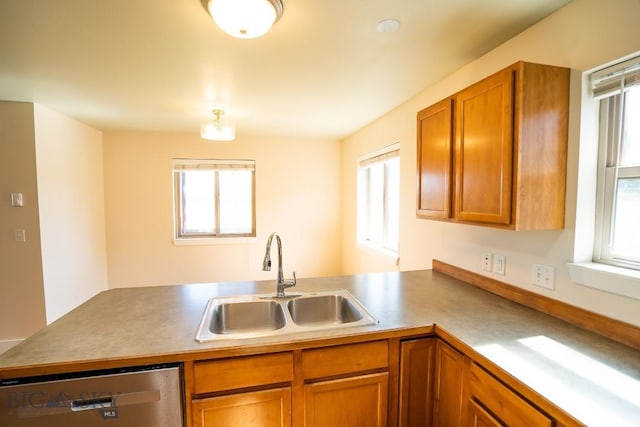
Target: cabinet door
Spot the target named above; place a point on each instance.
(266, 408)
(478, 417)
(434, 160)
(350, 402)
(504, 404)
(484, 150)
(447, 410)
(417, 359)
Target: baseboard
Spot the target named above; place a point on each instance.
(616, 330)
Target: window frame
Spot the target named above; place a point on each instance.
(610, 86)
(363, 225)
(583, 270)
(181, 164)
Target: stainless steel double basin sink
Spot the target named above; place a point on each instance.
(249, 316)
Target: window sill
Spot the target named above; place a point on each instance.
(377, 250)
(214, 241)
(608, 278)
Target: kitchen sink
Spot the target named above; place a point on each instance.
(247, 317)
(250, 316)
(314, 310)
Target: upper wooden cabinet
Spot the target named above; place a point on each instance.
(434, 160)
(484, 150)
(495, 153)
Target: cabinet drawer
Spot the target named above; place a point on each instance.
(345, 359)
(241, 372)
(481, 418)
(510, 408)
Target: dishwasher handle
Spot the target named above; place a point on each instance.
(116, 400)
(94, 403)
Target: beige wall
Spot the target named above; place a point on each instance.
(583, 35)
(297, 192)
(21, 289)
(71, 200)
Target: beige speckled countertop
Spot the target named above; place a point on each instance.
(592, 378)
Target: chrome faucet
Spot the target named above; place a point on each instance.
(281, 284)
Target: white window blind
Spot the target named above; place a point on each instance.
(618, 190)
(615, 79)
(381, 155)
(183, 164)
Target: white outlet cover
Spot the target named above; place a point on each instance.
(20, 235)
(487, 262)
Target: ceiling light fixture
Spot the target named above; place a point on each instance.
(245, 19)
(388, 26)
(217, 128)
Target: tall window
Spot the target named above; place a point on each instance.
(214, 198)
(379, 198)
(618, 199)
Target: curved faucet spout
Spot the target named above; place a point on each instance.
(281, 284)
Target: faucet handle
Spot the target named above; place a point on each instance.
(290, 283)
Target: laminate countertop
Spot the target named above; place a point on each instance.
(592, 378)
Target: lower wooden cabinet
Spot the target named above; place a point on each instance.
(421, 382)
(489, 400)
(217, 376)
(417, 357)
(342, 388)
(478, 417)
(335, 386)
(466, 395)
(347, 402)
(449, 371)
(265, 408)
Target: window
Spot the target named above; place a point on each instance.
(214, 198)
(379, 199)
(618, 194)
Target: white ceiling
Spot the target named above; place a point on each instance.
(322, 71)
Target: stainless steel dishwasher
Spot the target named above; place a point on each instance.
(135, 397)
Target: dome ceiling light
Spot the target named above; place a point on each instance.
(217, 129)
(245, 19)
(388, 26)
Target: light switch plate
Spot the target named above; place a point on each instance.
(543, 276)
(17, 200)
(499, 264)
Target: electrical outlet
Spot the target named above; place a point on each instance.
(486, 261)
(543, 276)
(499, 264)
(20, 235)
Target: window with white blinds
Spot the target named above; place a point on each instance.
(379, 199)
(618, 192)
(616, 79)
(213, 198)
